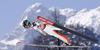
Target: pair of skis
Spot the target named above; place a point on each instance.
(54, 45)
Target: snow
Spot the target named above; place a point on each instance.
(67, 12)
(38, 10)
(11, 42)
(36, 5)
(98, 45)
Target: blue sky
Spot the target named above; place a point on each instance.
(11, 10)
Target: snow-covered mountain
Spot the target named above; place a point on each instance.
(87, 18)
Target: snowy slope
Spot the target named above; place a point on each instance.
(86, 18)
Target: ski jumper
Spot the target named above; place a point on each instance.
(51, 31)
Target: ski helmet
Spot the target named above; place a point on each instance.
(26, 23)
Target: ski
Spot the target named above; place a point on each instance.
(54, 45)
(67, 29)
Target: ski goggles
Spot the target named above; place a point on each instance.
(27, 25)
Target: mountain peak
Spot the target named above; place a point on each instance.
(36, 5)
